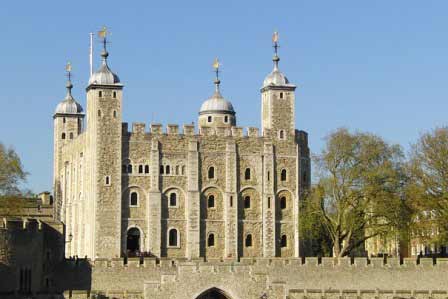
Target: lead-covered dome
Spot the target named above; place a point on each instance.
(217, 104)
(68, 104)
(104, 76)
(276, 77)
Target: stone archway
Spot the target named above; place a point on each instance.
(133, 242)
(213, 293)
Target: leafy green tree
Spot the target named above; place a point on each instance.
(11, 171)
(428, 188)
(358, 194)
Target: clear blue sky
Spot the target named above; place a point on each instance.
(378, 66)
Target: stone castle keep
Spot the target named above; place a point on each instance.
(211, 192)
(207, 212)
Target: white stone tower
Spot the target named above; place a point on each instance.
(277, 95)
(104, 116)
(68, 122)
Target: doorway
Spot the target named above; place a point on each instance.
(133, 242)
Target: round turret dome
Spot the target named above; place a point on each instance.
(276, 77)
(68, 104)
(104, 76)
(217, 104)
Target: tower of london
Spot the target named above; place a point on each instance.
(216, 191)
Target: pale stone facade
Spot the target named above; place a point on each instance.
(213, 192)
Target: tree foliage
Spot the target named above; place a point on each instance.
(358, 191)
(11, 171)
(428, 188)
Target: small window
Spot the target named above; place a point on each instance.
(64, 120)
(114, 94)
(247, 174)
(183, 170)
(247, 202)
(209, 119)
(173, 238)
(177, 169)
(211, 172)
(173, 200)
(63, 136)
(248, 241)
(283, 175)
(140, 169)
(211, 240)
(281, 95)
(146, 169)
(269, 176)
(231, 201)
(161, 169)
(167, 169)
(71, 135)
(100, 93)
(284, 241)
(211, 201)
(226, 119)
(281, 134)
(99, 113)
(130, 168)
(115, 114)
(134, 199)
(283, 203)
(107, 180)
(269, 202)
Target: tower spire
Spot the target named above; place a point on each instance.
(275, 59)
(69, 85)
(217, 81)
(103, 33)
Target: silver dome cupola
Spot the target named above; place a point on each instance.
(68, 106)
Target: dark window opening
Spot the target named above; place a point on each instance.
(269, 202)
(177, 169)
(247, 174)
(161, 169)
(130, 168)
(248, 241)
(115, 114)
(247, 202)
(231, 201)
(173, 199)
(183, 170)
(140, 169)
(284, 241)
(64, 120)
(209, 119)
(172, 238)
(63, 136)
(211, 172)
(134, 199)
(146, 168)
(100, 94)
(211, 240)
(281, 95)
(226, 119)
(283, 175)
(133, 242)
(282, 134)
(283, 203)
(269, 176)
(71, 135)
(115, 94)
(211, 201)
(167, 169)
(107, 180)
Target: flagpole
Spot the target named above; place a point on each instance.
(91, 54)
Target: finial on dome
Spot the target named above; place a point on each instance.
(103, 33)
(216, 65)
(69, 85)
(276, 59)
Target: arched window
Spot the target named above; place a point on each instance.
(269, 202)
(209, 119)
(100, 93)
(231, 201)
(63, 136)
(173, 200)
(281, 95)
(211, 240)
(107, 180)
(247, 202)
(284, 241)
(183, 169)
(115, 94)
(283, 175)
(167, 169)
(115, 114)
(130, 168)
(211, 172)
(134, 199)
(248, 241)
(71, 135)
(281, 134)
(211, 201)
(226, 119)
(247, 174)
(146, 168)
(283, 203)
(173, 238)
(177, 169)
(140, 169)
(161, 169)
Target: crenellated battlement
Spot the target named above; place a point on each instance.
(139, 129)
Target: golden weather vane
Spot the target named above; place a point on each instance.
(216, 63)
(103, 33)
(275, 41)
(68, 69)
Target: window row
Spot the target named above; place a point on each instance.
(247, 174)
(64, 136)
(134, 199)
(168, 170)
(141, 169)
